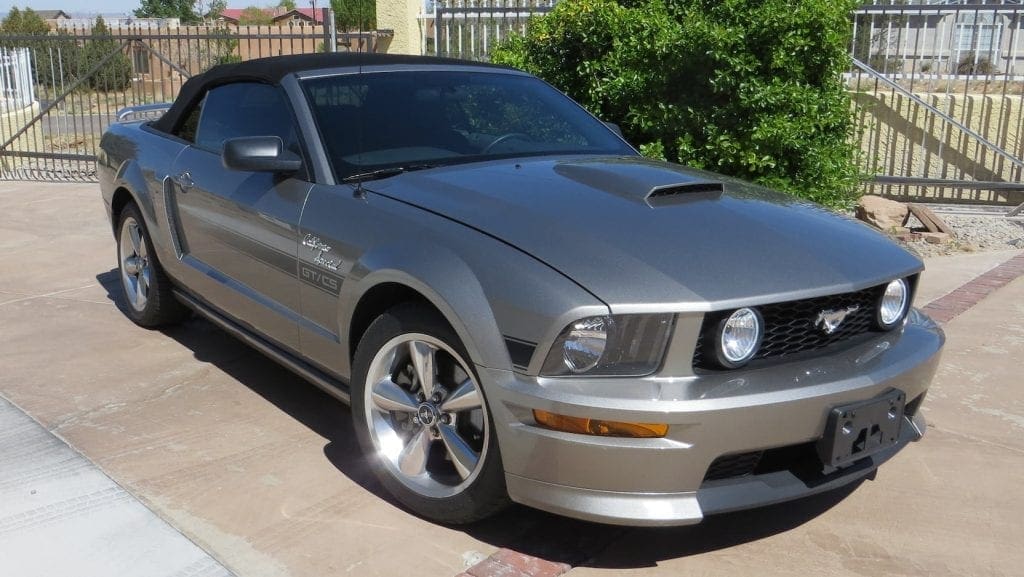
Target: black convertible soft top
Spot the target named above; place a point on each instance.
(271, 70)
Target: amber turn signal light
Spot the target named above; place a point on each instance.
(598, 427)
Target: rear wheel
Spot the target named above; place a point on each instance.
(422, 419)
(146, 289)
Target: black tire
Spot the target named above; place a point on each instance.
(473, 497)
(154, 305)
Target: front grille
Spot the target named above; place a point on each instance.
(801, 460)
(790, 326)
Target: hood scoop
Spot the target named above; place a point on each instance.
(666, 194)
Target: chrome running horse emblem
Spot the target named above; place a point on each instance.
(829, 321)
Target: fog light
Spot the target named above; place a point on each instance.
(893, 304)
(599, 427)
(739, 337)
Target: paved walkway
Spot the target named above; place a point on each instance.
(260, 470)
(61, 516)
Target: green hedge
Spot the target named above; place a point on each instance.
(749, 88)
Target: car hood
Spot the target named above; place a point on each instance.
(699, 241)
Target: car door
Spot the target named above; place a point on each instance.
(239, 229)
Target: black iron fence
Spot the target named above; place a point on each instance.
(938, 87)
(59, 92)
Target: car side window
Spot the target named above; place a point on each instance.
(187, 130)
(245, 109)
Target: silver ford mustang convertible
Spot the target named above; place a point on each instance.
(518, 306)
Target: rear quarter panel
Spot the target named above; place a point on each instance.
(136, 159)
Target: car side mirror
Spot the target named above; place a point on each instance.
(259, 154)
(615, 128)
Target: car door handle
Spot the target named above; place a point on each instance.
(184, 180)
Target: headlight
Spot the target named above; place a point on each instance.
(613, 345)
(584, 345)
(738, 337)
(893, 305)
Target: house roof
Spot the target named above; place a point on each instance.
(52, 14)
(276, 14)
(303, 13)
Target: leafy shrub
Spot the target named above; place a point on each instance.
(886, 64)
(749, 88)
(971, 63)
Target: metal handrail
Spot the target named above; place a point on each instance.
(142, 111)
(917, 99)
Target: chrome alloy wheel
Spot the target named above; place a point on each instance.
(136, 270)
(426, 415)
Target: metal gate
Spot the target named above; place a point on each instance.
(938, 89)
(61, 90)
(470, 29)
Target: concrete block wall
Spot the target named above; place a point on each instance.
(401, 16)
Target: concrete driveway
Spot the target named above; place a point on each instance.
(259, 469)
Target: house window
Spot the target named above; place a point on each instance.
(978, 33)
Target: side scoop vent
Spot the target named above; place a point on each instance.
(686, 192)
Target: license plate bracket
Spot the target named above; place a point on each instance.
(857, 430)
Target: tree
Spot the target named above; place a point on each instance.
(182, 9)
(749, 88)
(27, 22)
(54, 57)
(355, 14)
(116, 73)
(288, 5)
(222, 48)
(254, 16)
(212, 9)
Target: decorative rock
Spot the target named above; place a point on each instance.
(1017, 243)
(881, 212)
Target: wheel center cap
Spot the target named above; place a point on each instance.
(427, 414)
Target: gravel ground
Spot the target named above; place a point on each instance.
(974, 233)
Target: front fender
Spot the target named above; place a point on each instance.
(444, 279)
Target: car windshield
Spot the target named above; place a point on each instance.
(377, 124)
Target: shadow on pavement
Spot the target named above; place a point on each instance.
(519, 528)
(315, 409)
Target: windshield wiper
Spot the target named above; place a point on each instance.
(385, 172)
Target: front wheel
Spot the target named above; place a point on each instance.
(422, 419)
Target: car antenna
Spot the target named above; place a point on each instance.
(359, 192)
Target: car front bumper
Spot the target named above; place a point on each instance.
(777, 412)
